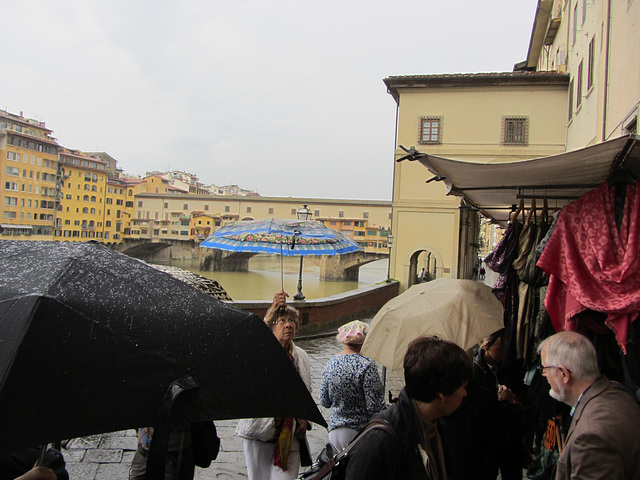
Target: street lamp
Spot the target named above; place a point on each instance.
(304, 214)
(389, 243)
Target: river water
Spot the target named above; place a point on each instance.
(263, 277)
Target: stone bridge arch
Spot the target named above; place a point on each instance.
(346, 267)
(157, 249)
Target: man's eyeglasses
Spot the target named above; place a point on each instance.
(542, 368)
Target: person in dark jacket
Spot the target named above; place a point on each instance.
(436, 373)
(482, 432)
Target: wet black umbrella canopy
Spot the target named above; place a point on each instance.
(91, 340)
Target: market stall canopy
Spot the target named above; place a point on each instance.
(493, 188)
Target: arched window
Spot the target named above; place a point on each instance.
(84, 224)
(91, 223)
(93, 211)
(93, 199)
(130, 192)
(94, 178)
(85, 210)
(86, 186)
(85, 198)
(94, 188)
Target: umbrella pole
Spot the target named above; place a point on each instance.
(43, 451)
(281, 270)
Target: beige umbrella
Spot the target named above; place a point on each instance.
(462, 311)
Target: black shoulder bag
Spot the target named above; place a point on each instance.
(333, 467)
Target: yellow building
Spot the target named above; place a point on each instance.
(371, 239)
(82, 208)
(119, 208)
(202, 225)
(493, 117)
(29, 178)
(154, 184)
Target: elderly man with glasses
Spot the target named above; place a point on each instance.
(604, 437)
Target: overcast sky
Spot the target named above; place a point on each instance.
(280, 96)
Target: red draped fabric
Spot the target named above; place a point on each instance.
(592, 265)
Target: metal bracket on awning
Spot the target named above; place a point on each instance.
(437, 178)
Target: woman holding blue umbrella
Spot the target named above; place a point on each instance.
(272, 445)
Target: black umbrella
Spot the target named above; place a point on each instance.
(92, 340)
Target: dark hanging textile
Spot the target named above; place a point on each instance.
(532, 285)
(506, 287)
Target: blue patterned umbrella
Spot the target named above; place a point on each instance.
(282, 237)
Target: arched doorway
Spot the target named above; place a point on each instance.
(423, 258)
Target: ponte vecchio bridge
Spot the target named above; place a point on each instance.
(332, 267)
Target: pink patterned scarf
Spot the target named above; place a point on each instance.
(594, 266)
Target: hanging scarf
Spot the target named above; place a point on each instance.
(592, 264)
(430, 446)
(506, 287)
(285, 427)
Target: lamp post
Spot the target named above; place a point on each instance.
(389, 243)
(304, 214)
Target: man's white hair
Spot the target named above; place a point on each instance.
(574, 352)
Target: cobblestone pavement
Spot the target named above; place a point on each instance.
(109, 456)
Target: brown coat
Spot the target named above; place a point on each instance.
(604, 436)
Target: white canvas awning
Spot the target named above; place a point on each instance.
(493, 188)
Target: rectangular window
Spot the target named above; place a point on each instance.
(185, 206)
(11, 201)
(579, 87)
(226, 208)
(139, 203)
(570, 100)
(293, 211)
(575, 24)
(166, 205)
(590, 64)
(316, 213)
(340, 214)
(206, 207)
(632, 126)
(270, 211)
(13, 171)
(10, 214)
(248, 209)
(430, 130)
(13, 186)
(365, 214)
(515, 131)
